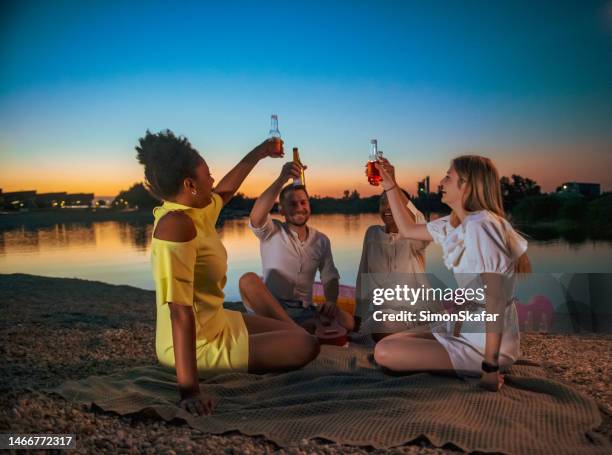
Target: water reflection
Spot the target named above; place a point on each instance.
(118, 252)
(136, 234)
(571, 234)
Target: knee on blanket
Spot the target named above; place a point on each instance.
(312, 348)
(384, 355)
(248, 281)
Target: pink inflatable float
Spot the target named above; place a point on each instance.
(537, 315)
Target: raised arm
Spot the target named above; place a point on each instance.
(404, 218)
(265, 202)
(229, 184)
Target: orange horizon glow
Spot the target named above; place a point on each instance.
(109, 178)
(254, 187)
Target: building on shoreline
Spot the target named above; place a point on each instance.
(589, 190)
(77, 200)
(30, 200)
(17, 200)
(50, 200)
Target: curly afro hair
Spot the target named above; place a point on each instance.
(167, 160)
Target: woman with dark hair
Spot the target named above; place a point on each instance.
(387, 257)
(193, 331)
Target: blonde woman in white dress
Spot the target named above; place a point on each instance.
(483, 251)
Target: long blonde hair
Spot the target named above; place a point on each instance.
(483, 192)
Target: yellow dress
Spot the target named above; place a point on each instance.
(193, 274)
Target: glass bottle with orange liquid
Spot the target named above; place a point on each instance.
(275, 133)
(373, 174)
(296, 159)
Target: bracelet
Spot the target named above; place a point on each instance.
(393, 187)
(489, 367)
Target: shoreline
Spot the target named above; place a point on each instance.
(567, 230)
(65, 328)
(44, 218)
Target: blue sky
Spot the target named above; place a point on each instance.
(527, 83)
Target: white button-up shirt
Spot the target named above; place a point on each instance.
(289, 265)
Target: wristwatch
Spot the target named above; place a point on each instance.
(489, 367)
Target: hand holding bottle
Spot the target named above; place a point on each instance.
(329, 309)
(387, 172)
(290, 170)
(272, 147)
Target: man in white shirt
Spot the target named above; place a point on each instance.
(291, 255)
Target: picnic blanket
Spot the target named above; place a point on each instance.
(344, 397)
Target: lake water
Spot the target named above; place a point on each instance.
(118, 253)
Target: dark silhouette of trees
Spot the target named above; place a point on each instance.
(241, 202)
(517, 188)
(514, 190)
(600, 216)
(541, 207)
(350, 203)
(136, 197)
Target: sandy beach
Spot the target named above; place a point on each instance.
(56, 329)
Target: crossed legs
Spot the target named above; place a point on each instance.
(256, 296)
(276, 342)
(278, 345)
(402, 352)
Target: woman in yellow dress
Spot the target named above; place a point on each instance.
(193, 330)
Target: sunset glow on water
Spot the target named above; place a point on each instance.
(118, 253)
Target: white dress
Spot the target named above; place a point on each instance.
(483, 243)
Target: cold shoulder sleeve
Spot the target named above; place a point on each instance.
(173, 271)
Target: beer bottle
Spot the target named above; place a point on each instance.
(274, 132)
(301, 181)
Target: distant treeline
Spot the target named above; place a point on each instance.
(351, 202)
(514, 189)
(571, 216)
(551, 214)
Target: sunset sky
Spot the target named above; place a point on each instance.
(527, 83)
